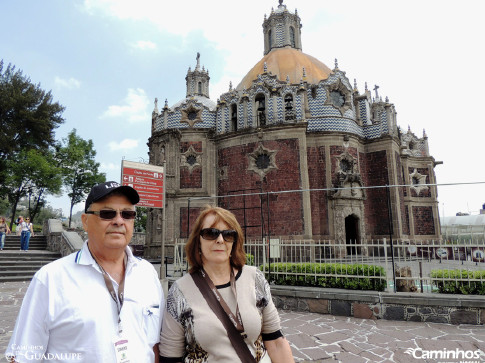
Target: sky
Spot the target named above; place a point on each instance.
(107, 60)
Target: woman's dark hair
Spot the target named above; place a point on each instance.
(192, 248)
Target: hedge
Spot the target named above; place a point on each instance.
(447, 283)
(300, 274)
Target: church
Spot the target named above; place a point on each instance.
(295, 150)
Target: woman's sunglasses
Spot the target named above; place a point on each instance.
(110, 213)
(229, 235)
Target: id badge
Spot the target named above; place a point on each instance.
(121, 349)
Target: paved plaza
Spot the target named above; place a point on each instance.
(327, 338)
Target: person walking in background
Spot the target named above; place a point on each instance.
(223, 308)
(99, 304)
(26, 231)
(4, 229)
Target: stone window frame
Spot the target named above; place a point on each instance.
(184, 157)
(415, 176)
(253, 157)
(339, 87)
(189, 110)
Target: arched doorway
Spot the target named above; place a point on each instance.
(352, 235)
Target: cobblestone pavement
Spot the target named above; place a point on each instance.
(327, 338)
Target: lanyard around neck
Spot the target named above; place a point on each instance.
(117, 298)
(238, 323)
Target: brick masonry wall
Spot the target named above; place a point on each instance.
(317, 170)
(190, 179)
(423, 220)
(194, 213)
(285, 209)
(374, 171)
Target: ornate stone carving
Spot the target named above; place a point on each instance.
(191, 115)
(417, 181)
(339, 97)
(191, 158)
(262, 160)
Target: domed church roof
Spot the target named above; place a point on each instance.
(288, 61)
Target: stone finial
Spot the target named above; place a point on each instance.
(304, 73)
(166, 103)
(355, 84)
(287, 79)
(409, 129)
(230, 85)
(155, 109)
(281, 2)
(296, 11)
(424, 134)
(387, 99)
(336, 64)
(198, 61)
(265, 67)
(366, 86)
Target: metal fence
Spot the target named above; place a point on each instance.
(407, 265)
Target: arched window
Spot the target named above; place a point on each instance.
(233, 117)
(289, 109)
(260, 109)
(292, 37)
(270, 40)
(200, 88)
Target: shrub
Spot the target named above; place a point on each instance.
(327, 275)
(249, 259)
(458, 281)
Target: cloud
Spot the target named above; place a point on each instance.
(126, 144)
(71, 83)
(134, 107)
(144, 45)
(109, 166)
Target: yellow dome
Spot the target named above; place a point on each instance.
(290, 62)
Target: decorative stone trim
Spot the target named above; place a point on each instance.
(416, 181)
(191, 115)
(262, 161)
(342, 103)
(191, 158)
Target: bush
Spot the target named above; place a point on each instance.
(249, 259)
(319, 275)
(450, 281)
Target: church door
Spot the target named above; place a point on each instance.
(352, 235)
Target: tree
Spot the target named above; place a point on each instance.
(28, 117)
(141, 219)
(32, 173)
(80, 170)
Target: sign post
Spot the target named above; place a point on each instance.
(149, 181)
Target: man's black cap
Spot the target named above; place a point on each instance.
(100, 191)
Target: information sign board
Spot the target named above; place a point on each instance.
(147, 180)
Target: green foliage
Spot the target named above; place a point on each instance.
(332, 275)
(249, 259)
(79, 169)
(458, 281)
(141, 219)
(32, 174)
(28, 117)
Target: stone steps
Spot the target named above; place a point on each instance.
(16, 265)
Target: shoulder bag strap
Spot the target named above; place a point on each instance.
(236, 339)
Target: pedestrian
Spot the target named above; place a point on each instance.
(99, 304)
(4, 230)
(26, 231)
(222, 309)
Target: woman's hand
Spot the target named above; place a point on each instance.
(279, 350)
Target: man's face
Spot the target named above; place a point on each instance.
(115, 233)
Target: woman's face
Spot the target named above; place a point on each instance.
(216, 251)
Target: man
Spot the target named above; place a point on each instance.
(100, 304)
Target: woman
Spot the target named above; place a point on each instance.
(26, 229)
(3, 231)
(191, 331)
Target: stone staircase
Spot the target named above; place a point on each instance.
(17, 265)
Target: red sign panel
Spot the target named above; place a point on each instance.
(147, 180)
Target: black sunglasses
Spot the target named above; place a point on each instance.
(110, 213)
(229, 235)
